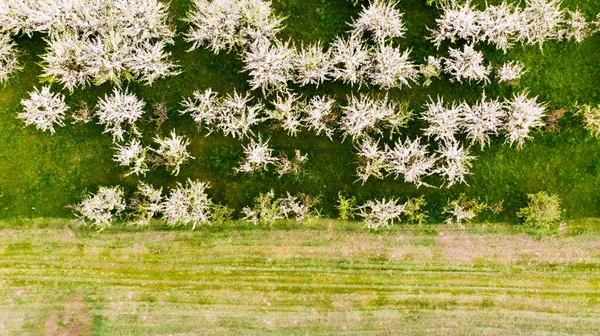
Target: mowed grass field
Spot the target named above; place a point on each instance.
(328, 277)
(40, 174)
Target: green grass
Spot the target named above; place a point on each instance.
(328, 278)
(40, 173)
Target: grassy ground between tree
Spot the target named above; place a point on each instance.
(329, 277)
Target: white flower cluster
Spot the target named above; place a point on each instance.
(132, 154)
(233, 115)
(287, 111)
(258, 156)
(184, 205)
(451, 160)
(505, 24)
(366, 115)
(413, 161)
(268, 209)
(118, 111)
(102, 207)
(172, 151)
(96, 41)
(591, 118)
(454, 162)
(466, 64)
(523, 114)
(9, 63)
(510, 72)
(272, 64)
(409, 159)
(313, 64)
(226, 24)
(515, 118)
(380, 213)
(147, 204)
(44, 109)
(187, 205)
(320, 117)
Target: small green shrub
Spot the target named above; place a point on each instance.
(221, 214)
(543, 210)
(414, 210)
(346, 207)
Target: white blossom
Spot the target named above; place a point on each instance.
(102, 207)
(226, 24)
(523, 115)
(236, 115)
(381, 19)
(411, 160)
(541, 20)
(119, 110)
(66, 60)
(266, 210)
(257, 157)
(380, 213)
(132, 154)
(215, 22)
(100, 41)
(44, 109)
(500, 25)
(510, 71)
(270, 65)
(351, 60)
(504, 24)
(591, 118)
(444, 123)
(172, 152)
(287, 111)
(147, 204)
(299, 207)
(313, 65)
(13, 15)
(151, 62)
(203, 107)
(258, 19)
(482, 119)
(466, 64)
(285, 166)
(233, 115)
(187, 205)
(106, 60)
(454, 162)
(319, 115)
(9, 63)
(463, 210)
(576, 27)
(459, 214)
(372, 160)
(432, 68)
(457, 21)
(364, 115)
(392, 68)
